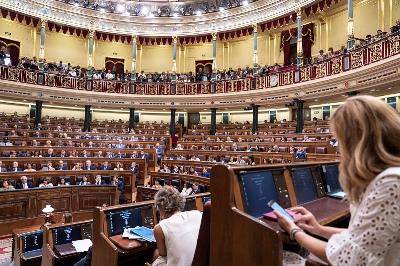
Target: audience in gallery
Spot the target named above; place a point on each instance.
(66, 69)
(176, 233)
(368, 131)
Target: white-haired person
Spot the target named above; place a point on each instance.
(177, 232)
(368, 133)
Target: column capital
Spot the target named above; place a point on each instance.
(298, 12)
(91, 33)
(214, 36)
(255, 28)
(174, 39)
(134, 38)
(43, 22)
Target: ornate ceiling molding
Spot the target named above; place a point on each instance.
(235, 18)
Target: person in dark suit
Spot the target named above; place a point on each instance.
(50, 153)
(24, 183)
(120, 187)
(89, 165)
(2, 169)
(15, 167)
(134, 168)
(105, 166)
(61, 166)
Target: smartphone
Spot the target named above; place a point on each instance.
(276, 207)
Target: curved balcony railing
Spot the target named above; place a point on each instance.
(383, 48)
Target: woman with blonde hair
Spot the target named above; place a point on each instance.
(368, 133)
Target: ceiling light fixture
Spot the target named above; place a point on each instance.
(120, 8)
(199, 13)
(221, 8)
(145, 10)
(76, 4)
(245, 2)
(151, 15)
(175, 15)
(102, 10)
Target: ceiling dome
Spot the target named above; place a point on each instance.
(159, 8)
(157, 18)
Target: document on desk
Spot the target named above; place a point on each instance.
(127, 234)
(144, 232)
(82, 245)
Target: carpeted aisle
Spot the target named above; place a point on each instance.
(5, 251)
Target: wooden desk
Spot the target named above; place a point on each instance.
(109, 248)
(38, 162)
(60, 254)
(17, 246)
(21, 208)
(232, 228)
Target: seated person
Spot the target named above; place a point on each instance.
(134, 168)
(89, 165)
(97, 180)
(177, 232)
(367, 130)
(205, 172)
(105, 166)
(24, 183)
(46, 183)
(195, 188)
(118, 183)
(6, 186)
(84, 181)
(63, 182)
(48, 167)
(29, 168)
(187, 189)
(2, 169)
(15, 167)
(157, 184)
(61, 166)
(301, 154)
(119, 167)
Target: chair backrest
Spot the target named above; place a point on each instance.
(202, 252)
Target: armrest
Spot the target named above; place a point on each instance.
(108, 241)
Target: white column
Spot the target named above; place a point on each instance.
(43, 23)
(174, 45)
(299, 38)
(134, 53)
(91, 48)
(255, 45)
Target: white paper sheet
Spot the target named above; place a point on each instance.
(82, 245)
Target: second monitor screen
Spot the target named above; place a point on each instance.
(258, 188)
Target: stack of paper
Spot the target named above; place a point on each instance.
(144, 232)
(141, 233)
(82, 245)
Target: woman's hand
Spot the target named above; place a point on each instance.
(285, 223)
(307, 221)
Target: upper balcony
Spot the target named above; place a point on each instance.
(368, 68)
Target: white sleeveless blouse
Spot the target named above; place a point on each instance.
(181, 231)
(373, 236)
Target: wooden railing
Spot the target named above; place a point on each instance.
(359, 57)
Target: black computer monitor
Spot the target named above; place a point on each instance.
(32, 241)
(258, 188)
(67, 234)
(304, 184)
(331, 174)
(118, 220)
